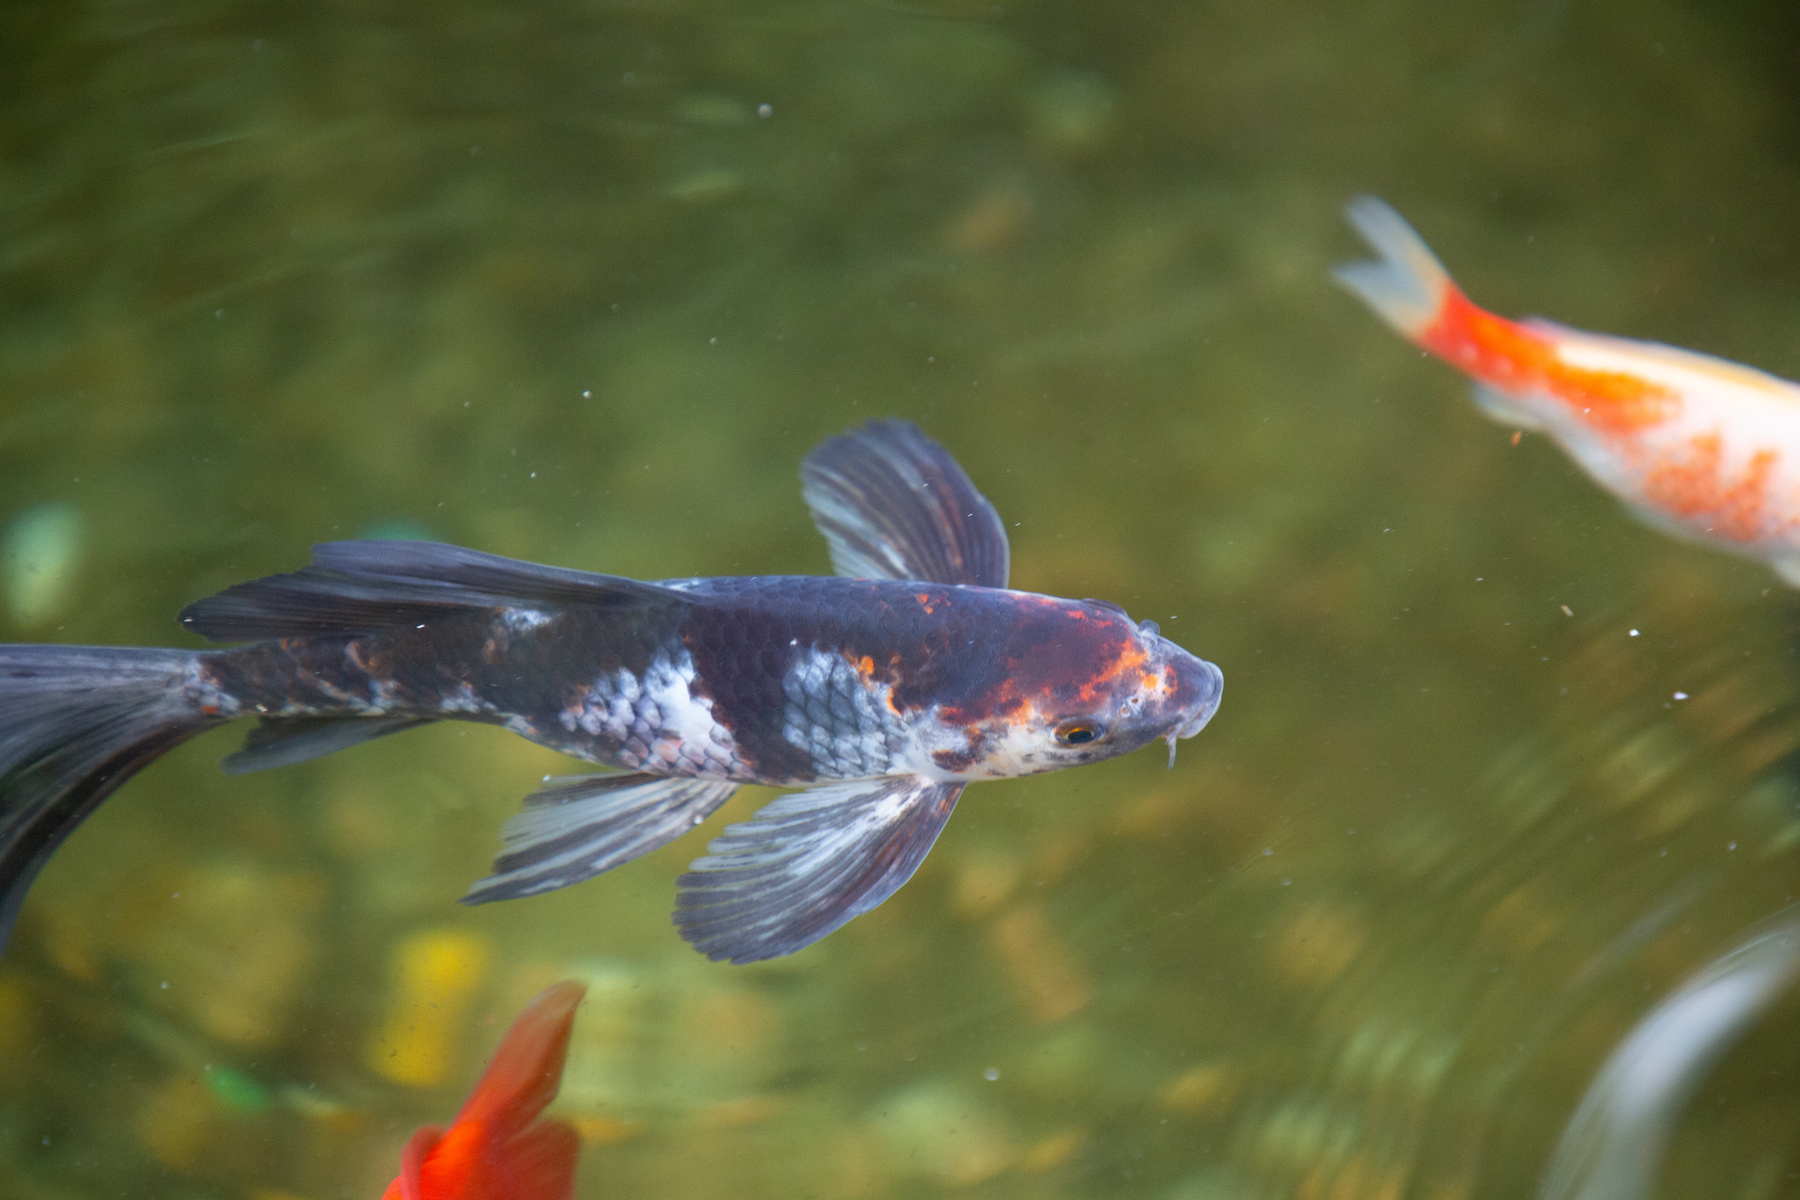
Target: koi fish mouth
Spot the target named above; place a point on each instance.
(1206, 683)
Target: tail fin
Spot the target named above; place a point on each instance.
(1407, 284)
(75, 722)
(493, 1148)
(526, 1070)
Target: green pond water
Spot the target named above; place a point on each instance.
(582, 283)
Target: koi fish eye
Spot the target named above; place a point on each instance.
(1079, 732)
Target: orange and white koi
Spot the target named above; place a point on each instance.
(1698, 447)
(496, 1149)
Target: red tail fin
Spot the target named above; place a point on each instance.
(539, 1164)
(527, 1069)
(492, 1151)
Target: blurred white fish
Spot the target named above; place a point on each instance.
(1614, 1143)
(1697, 447)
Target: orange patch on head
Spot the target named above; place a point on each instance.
(1130, 655)
(1696, 489)
(1514, 359)
(1157, 681)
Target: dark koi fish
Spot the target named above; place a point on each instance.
(880, 692)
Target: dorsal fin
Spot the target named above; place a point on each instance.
(355, 587)
(893, 504)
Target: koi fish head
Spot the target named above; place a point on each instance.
(1071, 682)
(1151, 690)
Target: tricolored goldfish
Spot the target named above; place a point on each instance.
(1695, 446)
(493, 1150)
(881, 692)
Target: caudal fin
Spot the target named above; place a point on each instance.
(493, 1148)
(75, 722)
(1407, 284)
(526, 1070)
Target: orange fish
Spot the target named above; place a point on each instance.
(1695, 446)
(493, 1151)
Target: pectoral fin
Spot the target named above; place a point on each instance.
(1788, 569)
(809, 862)
(893, 504)
(581, 825)
(1505, 408)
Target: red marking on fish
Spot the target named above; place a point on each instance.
(1699, 487)
(1513, 358)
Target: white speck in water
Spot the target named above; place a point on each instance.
(765, 111)
(534, 474)
(1731, 846)
(1567, 611)
(587, 393)
(1681, 695)
(1286, 882)
(1268, 850)
(1634, 633)
(165, 985)
(991, 1074)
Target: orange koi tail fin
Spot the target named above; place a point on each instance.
(492, 1150)
(527, 1068)
(412, 1159)
(1407, 285)
(539, 1164)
